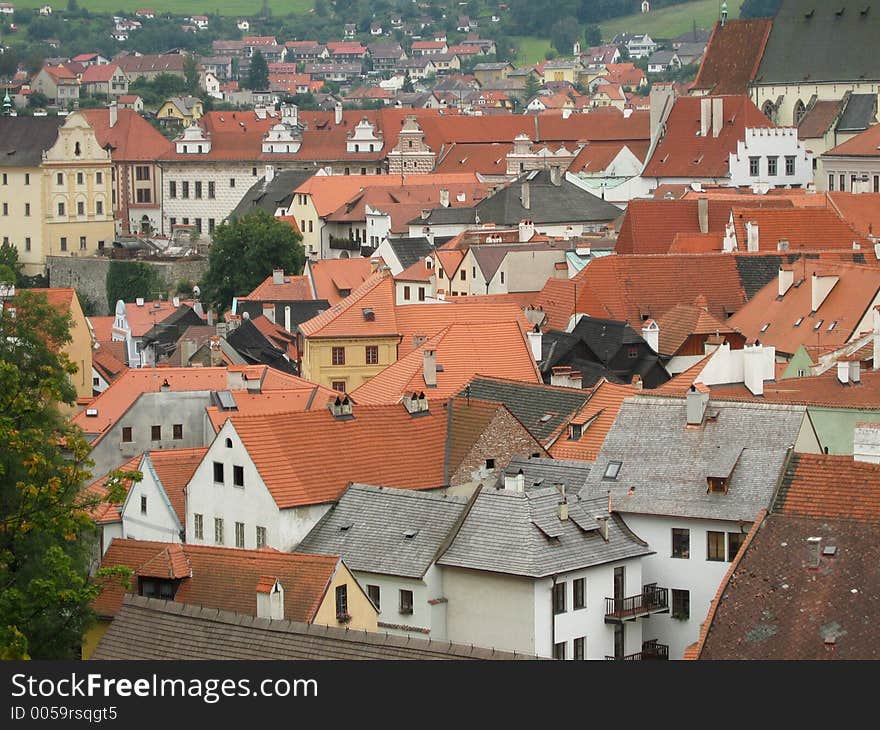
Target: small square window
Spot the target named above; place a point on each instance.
(155, 433)
(238, 476)
(177, 431)
(612, 470)
(126, 434)
(218, 472)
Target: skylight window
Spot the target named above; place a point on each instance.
(798, 321)
(612, 470)
(832, 325)
(818, 324)
(346, 526)
(410, 534)
(765, 327)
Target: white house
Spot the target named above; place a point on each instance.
(211, 84)
(46, 10)
(243, 24)
(690, 476)
(7, 9)
(771, 156)
(390, 539)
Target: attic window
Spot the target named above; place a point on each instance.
(546, 417)
(832, 325)
(410, 534)
(612, 470)
(765, 327)
(798, 321)
(575, 431)
(369, 315)
(717, 485)
(91, 412)
(346, 526)
(818, 324)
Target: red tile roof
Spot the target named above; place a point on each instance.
(99, 74)
(278, 443)
(683, 320)
(223, 578)
(294, 288)
(836, 487)
(107, 512)
(135, 65)
(865, 144)
(175, 468)
(733, 55)
(818, 390)
(107, 364)
(132, 138)
(335, 279)
(463, 351)
(804, 228)
(683, 153)
(597, 156)
(861, 210)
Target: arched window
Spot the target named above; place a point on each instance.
(228, 443)
(769, 110)
(799, 111)
(77, 150)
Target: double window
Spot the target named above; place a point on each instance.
(261, 537)
(338, 356)
(714, 545)
(239, 534)
(218, 530)
(372, 354)
(681, 543)
(199, 526)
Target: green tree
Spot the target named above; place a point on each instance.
(38, 100)
(321, 8)
(258, 75)
(128, 280)
(10, 268)
(531, 89)
(563, 33)
(592, 36)
(244, 252)
(47, 537)
(191, 72)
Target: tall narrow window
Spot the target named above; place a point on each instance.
(155, 433)
(199, 526)
(218, 472)
(580, 592)
(406, 602)
(375, 595)
(218, 530)
(734, 543)
(372, 354)
(714, 545)
(681, 604)
(338, 356)
(238, 476)
(342, 602)
(559, 598)
(239, 534)
(681, 543)
(261, 537)
(580, 647)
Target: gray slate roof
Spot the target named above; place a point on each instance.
(270, 196)
(824, 46)
(531, 403)
(859, 114)
(666, 464)
(541, 473)
(368, 527)
(24, 139)
(520, 533)
(150, 628)
(411, 250)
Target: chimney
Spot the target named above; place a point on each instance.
(753, 367)
(821, 287)
(175, 301)
(866, 443)
(342, 406)
(415, 403)
(270, 173)
(430, 368)
(814, 550)
(526, 230)
(270, 598)
(786, 279)
(269, 312)
(338, 113)
(855, 370)
(444, 197)
(651, 334)
(211, 316)
(876, 363)
(782, 244)
(556, 175)
(535, 342)
(695, 405)
(139, 301)
(278, 276)
(603, 526)
(637, 382)
(114, 113)
(843, 372)
(752, 239)
(526, 196)
(717, 115)
(705, 116)
(563, 506)
(703, 214)
(515, 483)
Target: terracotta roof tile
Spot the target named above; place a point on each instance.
(733, 55)
(175, 468)
(865, 144)
(683, 320)
(224, 578)
(804, 228)
(861, 210)
(132, 138)
(294, 288)
(335, 279)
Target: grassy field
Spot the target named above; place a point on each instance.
(246, 8)
(672, 21)
(531, 50)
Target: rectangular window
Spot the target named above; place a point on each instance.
(463, 276)
(218, 530)
(842, 179)
(5, 208)
(177, 431)
(714, 545)
(63, 243)
(789, 165)
(375, 595)
(681, 543)
(199, 527)
(80, 178)
(580, 646)
(199, 225)
(198, 190)
(60, 209)
(99, 178)
(580, 592)
(126, 434)
(218, 473)
(155, 433)
(59, 178)
(421, 293)
(173, 221)
(338, 356)
(238, 476)
(184, 191)
(239, 534)
(338, 385)
(559, 650)
(311, 228)
(210, 225)
(143, 504)
(143, 195)
(211, 187)
(27, 243)
(342, 600)
(754, 166)
(877, 183)
(831, 183)
(4, 178)
(99, 206)
(172, 189)
(82, 243)
(261, 537)
(232, 182)
(772, 166)
(372, 353)
(406, 295)
(406, 601)
(559, 598)
(141, 172)
(619, 641)
(27, 178)
(734, 543)
(27, 209)
(681, 604)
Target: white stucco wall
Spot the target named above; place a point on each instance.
(778, 142)
(226, 197)
(160, 522)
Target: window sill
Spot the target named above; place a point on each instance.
(682, 557)
(405, 612)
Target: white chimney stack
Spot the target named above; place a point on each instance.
(786, 279)
(526, 195)
(753, 366)
(843, 372)
(603, 525)
(269, 312)
(270, 173)
(814, 548)
(695, 406)
(515, 483)
(430, 368)
(338, 113)
(287, 320)
(855, 370)
(876, 364)
(705, 116)
(821, 287)
(703, 214)
(536, 342)
(717, 115)
(270, 599)
(278, 276)
(526, 230)
(444, 197)
(651, 334)
(752, 239)
(866, 442)
(114, 114)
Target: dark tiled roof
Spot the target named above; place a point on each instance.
(24, 139)
(411, 250)
(859, 114)
(271, 196)
(255, 347)
(732, 56)
(542, 409)
(538, 473)
(148, 628)
(818, 41)
(301, 310)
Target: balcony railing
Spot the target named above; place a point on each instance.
(344, 244)
(651, 650)
(652, 599)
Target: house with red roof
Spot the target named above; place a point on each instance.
(854, 165)
(58, 83)
(105, 79)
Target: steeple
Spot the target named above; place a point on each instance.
(724, 12)
(7, 104)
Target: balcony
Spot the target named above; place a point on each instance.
(344, 244)
(651, 651)
(651, 600)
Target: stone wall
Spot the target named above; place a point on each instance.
(89, 275)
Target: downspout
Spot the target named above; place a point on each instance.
(553, 615)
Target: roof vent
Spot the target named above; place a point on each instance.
(341, 407)
(139, 301)
(345, 527)
(410, 534)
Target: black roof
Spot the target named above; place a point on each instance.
(167, 332)
(24, 139)
(411, 250)
(272, 195)
(859, 114)
(301, 310)
(254, 347)
(530, 403)
(813, 41)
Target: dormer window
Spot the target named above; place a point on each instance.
(818, 325)
(716, 485)
(612, 470)
(575, 431)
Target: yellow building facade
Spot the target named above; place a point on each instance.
(344, 363)
(363, 614)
